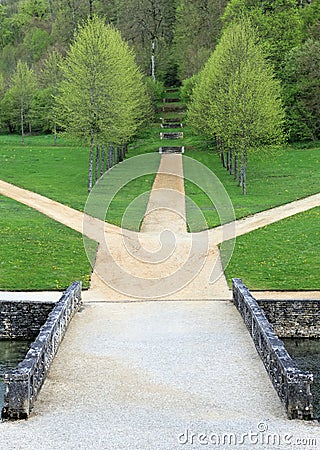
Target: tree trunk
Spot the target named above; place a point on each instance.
(240, 180)
(121, 153)
(110, 156)
(236, 166)
(223, 156)
(96, 175)
(90, 171)
(244, 180)
(103, 157)
(22, 122)
(55, 122)
(54, 130)
(153, 62)
(91, 9)
(230, 160)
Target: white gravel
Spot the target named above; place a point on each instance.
(138, 375)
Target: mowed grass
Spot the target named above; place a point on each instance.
(37, 253)
(275, 178)
(281, 256)
(60, 172)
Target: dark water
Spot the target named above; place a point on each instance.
(306, 354)
(11, 353)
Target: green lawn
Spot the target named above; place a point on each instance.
(274, 179)
(281, 256)
(59, 173)
(37, 253)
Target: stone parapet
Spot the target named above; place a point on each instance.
(24, 383)
(292, 385)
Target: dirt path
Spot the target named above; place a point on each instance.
(163, 261)
(264, 218)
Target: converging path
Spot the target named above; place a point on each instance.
(163, 227)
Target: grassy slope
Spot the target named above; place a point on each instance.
(38, 253)
(274, 179)
(281, 256)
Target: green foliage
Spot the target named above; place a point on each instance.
(155, 91)
(19, 97)
(302, 91)
(236, 97)
(197, 30)
(278, 24)
(50, 78)
(187, 87)
(34, 8)
(311, 20)
(144, 22)
(35, 43)
(102, 95)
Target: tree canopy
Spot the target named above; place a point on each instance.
(236, 98)
(102, 96)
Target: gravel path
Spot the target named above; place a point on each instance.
(136, 376)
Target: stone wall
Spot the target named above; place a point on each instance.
(24, 383)
(22, 319)
(293, 318)
(292, 385)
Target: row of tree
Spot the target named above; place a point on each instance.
(96, 93)
(172, 40)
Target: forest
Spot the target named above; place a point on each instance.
(171, 40)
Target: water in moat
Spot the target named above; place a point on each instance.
(306, 354)
(11, 353)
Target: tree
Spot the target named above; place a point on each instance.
(311, 20)
(148, 25)
(237, 97)
(197, 31)
(302, 91)
(102, 97)
(23, 86)
(51, 77)
(278, 24)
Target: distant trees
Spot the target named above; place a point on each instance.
(197, 31)
(149, 26)
(236, 99)
(51, 77)
(278, 24)
(289, 34)
(102, 96)
(172, 41)
(18, 98)
(302, 91)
